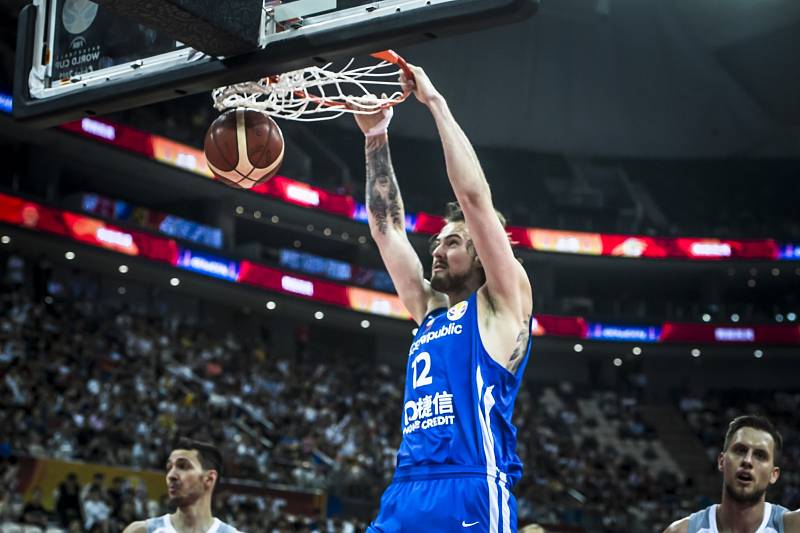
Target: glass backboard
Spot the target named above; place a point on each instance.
(77, 58)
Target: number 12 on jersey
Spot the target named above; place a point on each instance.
(422, 378)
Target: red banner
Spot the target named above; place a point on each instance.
(295, 284)
(117, 135)
(302, 194)
(730, 333)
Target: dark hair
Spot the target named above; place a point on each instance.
(453, 213)
(756, 422)
(209, 456)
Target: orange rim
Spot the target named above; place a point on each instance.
(390, 56)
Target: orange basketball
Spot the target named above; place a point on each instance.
(244, 147)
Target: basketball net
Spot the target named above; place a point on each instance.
(321, 93)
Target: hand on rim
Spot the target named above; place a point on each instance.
(371, 123)
(420, 85)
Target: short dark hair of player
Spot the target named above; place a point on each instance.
(453, 213)
(756, 422)
(209, 456)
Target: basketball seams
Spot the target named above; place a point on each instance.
(253, 138)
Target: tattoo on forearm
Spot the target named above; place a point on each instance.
(519, 349)
(383, 195)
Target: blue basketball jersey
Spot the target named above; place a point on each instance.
(705, 521)
(458, 405)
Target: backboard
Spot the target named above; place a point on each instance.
(77, 57)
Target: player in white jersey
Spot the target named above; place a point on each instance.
(193, 469)
(748, 462)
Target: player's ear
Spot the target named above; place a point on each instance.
(211, 478)
(721, 461)
(774, 475)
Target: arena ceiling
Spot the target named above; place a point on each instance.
(618, 78)
(629, 78)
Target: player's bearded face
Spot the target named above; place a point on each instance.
(454, 259)
(748, 465)
(187, 482)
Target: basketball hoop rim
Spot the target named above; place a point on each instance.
(289, 95)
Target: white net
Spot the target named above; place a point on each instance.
(318, 93)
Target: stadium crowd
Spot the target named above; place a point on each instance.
(99, 381)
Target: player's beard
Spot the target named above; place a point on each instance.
(444, 281)
(185, 499)
(747, 499)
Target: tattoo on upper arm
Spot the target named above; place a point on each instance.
(383, 194)
(520, 348)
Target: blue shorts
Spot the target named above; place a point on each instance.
(454, 504)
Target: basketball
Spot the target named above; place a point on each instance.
(244, 147)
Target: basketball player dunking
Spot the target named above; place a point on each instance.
(748, 463)
(193, 469)
(457, 461)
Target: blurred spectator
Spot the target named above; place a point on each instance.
(96, 511)
(68, 503)
(34, 512)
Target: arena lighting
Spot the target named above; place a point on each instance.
(636, 350)
(297, 243)
(256, 214)
(751, 283)
(734, 317)
(363, 240)
(99, 129)
(365, 324)
(327, 232)
(121, 291)
(239, 210)
(271, 305)
(208, 264)
(174, 282)
(617, 361)
(123, 269)
(302, 194)
(578, 347)
(758, 354)
(115, 238)
(706, 317)
(695, 352)
(6, 102)
(623, 332)
(345, 236)
(753, 271)
(776, 271)
(70, 255)
(310, 227)
(791, 317)
(319, 315)
(779, 318)
(5, 239)
(734, 334)
(275, 219)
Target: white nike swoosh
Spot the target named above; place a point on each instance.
(464, 524)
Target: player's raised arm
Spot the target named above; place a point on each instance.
(386, 216)
(507, 282)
